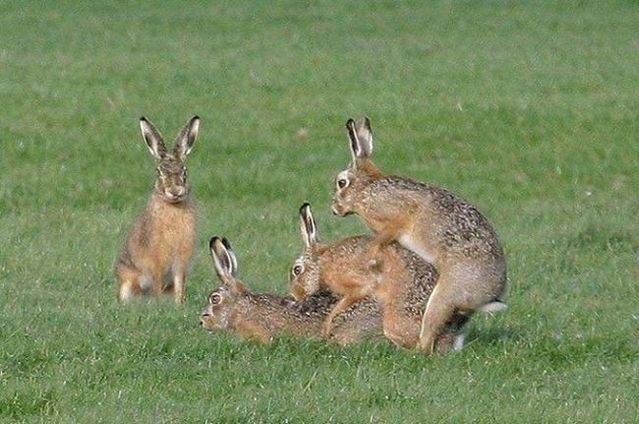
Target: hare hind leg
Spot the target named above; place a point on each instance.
(128, 284)
(465, 287)
(400, 329)
(440, 308)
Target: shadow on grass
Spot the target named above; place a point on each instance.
(492, 336)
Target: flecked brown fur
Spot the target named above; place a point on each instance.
(436, 224)
(264, 317)
(402, 283)
(159, 245)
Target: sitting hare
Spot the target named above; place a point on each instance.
(161, 239)
(403, 285)
(434, 223)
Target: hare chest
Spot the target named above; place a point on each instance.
(173, 235)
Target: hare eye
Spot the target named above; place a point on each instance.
(342, 182)
(297, 269)
(215, 299)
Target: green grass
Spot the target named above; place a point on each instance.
(529, 110)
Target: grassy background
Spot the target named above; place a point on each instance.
(528, 110)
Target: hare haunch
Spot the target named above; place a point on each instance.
(434, 223)
(160, 243)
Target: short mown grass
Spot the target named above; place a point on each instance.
(529, 110)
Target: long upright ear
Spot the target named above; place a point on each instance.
(231, 253)
(185, 139)
(307, 226)
(226, 264)
(153, 138)
(221, 259)
(361, 138)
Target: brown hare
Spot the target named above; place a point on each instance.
(403, 284)
(160, 243)
(263, 317)
(434, 223)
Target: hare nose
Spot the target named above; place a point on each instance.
(176, 192)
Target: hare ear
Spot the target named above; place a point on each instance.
(361, 137)
(226, 264)
(307, 225)
(153, 138)
(184, 141)
(221, 260)
(231, 253)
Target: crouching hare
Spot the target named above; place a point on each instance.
(403, 283)
(263, 317)
(160, 243)
(439, 226)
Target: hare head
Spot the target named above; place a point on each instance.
(305, 272)
(170, 182)
(222, 301)
(350, 183)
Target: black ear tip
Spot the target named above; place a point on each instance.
(350, 122)
(143, 119)
(213, 240)
(195, 117)
(305, 205)
(226, 243)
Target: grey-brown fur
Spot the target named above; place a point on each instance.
(156, 253)
(434, 223)
(263, 317)
(459, 226)
(403, 284)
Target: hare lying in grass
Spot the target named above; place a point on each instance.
(160, 243)
(263, 317)
(434, 223)
(403, 284)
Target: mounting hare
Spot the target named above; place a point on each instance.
(402, 284)
(263, 317)
(434, 223)
(160, 243)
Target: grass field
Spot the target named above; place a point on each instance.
(529, 110)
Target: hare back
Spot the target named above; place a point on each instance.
(277, 316)
(440, 221)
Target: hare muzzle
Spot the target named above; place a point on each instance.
(209, 321)
(298, 292)
(175, 194)
(171, 179)
(338, 209)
